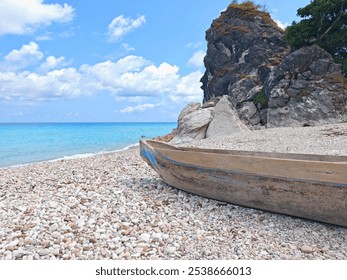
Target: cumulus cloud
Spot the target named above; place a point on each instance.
(139, 108)
(53, 62)
(31, 49)
(19, 59)
(133, 77)
(150, 80)
(281, 25)
(33, 87)
(189, 84)
(23, 17)
(197, 60)
(122, 25)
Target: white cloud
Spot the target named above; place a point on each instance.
(45, 37)
(122, 25)
(23, 17)
(150, 80)
(133, 77)
(32, 50)
(197, 60)
(194, 45)
(281, 25)
(190, 84)
(126, 47)
(19, 59)
(33, 87)
(139, 108)
(53, 63)
(122, 51)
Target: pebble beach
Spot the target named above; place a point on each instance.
(114, 206)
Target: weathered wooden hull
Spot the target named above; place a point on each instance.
(311, 187)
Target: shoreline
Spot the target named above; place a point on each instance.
(114, 206)
(75, 156)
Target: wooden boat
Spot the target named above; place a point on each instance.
(307, 186)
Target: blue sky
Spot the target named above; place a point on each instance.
(107, 60)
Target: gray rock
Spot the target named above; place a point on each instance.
(44, 252)
(240, 41)
(191, 107)
(307, 88)
(243, 90)
(212, 103)
(193, 126)
(263, 72)
(225, 120)
(306, 249)
(320, 66)
(249, 114)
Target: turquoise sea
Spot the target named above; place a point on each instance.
(27, 143)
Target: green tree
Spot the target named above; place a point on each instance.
(324, 23)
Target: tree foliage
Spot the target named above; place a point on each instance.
(324, 23)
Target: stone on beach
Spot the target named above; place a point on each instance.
(225, 120)
(130, 213)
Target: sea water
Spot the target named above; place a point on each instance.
(27, 143)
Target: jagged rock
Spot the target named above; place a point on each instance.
(193, 126)
(243, 91)
(307, 88)
(191, 107)
(249, 113)
(211, 103)
(225, 120)
(240, 41)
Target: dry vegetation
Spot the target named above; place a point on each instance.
(247, 11)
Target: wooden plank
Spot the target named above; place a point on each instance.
(298, 169)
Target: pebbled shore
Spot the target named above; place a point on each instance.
(113, 206)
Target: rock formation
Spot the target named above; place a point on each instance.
(243, 46)
(192, 123)
(225, 120)
(307, 88)
(253, 76)
(269, 85)
(197, 122)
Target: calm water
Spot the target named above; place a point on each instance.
(26, 143)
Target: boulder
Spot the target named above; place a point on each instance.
(249, 114)
(211, 103)
(191, 107)
(225, 120)
(306, 89)
(193, 126)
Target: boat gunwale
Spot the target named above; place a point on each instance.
(207, 170)
(313, 158)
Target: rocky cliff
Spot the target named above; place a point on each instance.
(248, 60)
(243, 45)
(266, 84)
